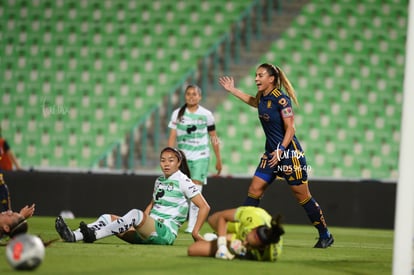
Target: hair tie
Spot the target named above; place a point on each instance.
(176, 152)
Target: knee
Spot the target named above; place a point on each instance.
(135, 213)
(106, 218)
(257, 187)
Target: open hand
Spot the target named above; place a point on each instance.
(227, 82)
(27, 211)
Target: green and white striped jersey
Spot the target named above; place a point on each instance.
(192, 134)
(170, 199)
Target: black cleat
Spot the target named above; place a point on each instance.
(324, 243)
(88, 233)
(64, 231)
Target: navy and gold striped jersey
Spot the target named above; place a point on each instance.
(272, 109)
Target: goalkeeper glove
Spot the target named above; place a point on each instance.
(222, 251)
(237, 248)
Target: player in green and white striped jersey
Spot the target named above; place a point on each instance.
(162, 218)
(192, 127)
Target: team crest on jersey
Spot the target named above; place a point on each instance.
(283, 102)
(170, 187)
(269, 104)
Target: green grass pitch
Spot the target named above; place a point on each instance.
(355, 251)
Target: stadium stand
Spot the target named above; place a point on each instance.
(77, 75)
(81, 73)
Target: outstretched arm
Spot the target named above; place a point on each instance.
(228, 83)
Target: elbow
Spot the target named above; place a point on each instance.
(207, 208)
(290, 130)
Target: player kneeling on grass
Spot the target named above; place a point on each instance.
(162, 218)
(245, 232)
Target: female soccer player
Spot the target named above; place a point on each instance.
(245, 232)
(162, 218)
(283, 155)
(13, 223)
(190, 127)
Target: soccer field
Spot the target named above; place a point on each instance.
(355, 251)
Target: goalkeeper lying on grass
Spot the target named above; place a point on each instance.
(245, 232)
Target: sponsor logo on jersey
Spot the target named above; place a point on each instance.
(193, 189)
(265, 117)
(170, 187)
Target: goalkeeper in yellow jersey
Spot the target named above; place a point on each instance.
(245, 232)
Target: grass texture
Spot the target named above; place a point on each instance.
(355, 251)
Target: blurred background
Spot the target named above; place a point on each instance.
(91, 84)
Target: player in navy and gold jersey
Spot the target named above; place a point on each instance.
(283, 155)
(245, 232)
(5, 203)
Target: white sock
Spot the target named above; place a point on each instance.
(133, 218)
(193, 212)
(102, 221)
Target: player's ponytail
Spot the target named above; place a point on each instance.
(284, 81)
(276, 229)
(268, 235)
(181, 112)
(184, 164)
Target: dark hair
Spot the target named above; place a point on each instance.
(268, 235)
(181, 157)
(280, 80)
(182, 109)
(18, 228)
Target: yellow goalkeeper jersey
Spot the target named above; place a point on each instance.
(246, 219)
